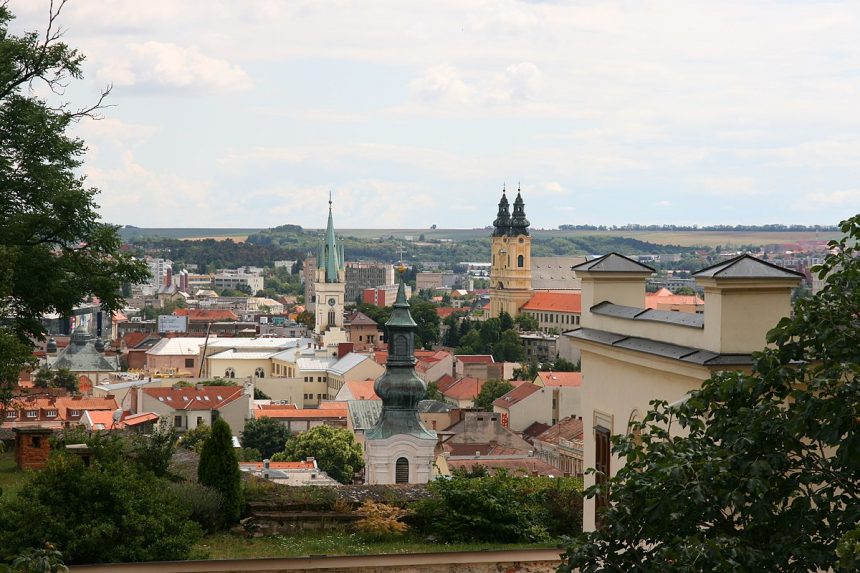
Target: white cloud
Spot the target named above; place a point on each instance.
(168, 65)
(848, 198)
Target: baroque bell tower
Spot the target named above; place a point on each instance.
(511, 267)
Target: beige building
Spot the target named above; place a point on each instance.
(175, 356)
(547, 400)
(510, 269)
(632, 355)
(189, 407)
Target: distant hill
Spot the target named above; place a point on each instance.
(129, 233)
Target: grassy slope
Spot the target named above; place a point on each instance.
(335, 542)
(11, 480)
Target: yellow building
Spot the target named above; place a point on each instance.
(510, 268)
(632, 355)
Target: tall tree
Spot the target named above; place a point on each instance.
(509, 348)
(267, 435)
(490, 391)
(334, 449)
(219, 468)
(765, 475)
(505, 321)
(54, 250)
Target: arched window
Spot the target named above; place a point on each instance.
(401, 471)
(331, 322)
(229, 373)
(521, 261)
(260, 373)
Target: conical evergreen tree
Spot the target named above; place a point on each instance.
(219, 469)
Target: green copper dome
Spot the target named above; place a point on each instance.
(399, 387)
(519, 223)
(502, 223)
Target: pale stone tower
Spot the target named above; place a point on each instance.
(399, 449)
(329, 286)
(511, 270)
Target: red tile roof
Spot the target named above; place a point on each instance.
(465, 388)
(207, 315)
(445, 382)
(560, 378)
(304, 465)
(446, 311)
(516, 395)
(555, 302)
(206, 398)
(138, 419)
(665, 297)
(362, 389)
(476, 358)
(569, 428)
(313, 414)
(361, 319)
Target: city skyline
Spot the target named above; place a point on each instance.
(247, 115)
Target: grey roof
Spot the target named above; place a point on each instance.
(364, 413)
(433, 407)
(613, 263)
(81, 356)
(555, 273)
(347, 362)
(664, 349)
(633, 313)
(746, 267)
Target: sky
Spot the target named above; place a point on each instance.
(247, 114)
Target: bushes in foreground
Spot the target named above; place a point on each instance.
(501, 508)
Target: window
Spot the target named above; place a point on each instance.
(229, 373)
(11, 414)
(520, 261)
(51, 413)
(74, 413)
(36, 441)
(177, 421)
(199, 420)
(601, 464)
(259, 373)
(401, 471)
(32, 414)
(189, 363)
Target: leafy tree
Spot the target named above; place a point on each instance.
(249, 455)
(194, 439)
(452, 332)
(433, 393)
(509, 348)
(505, 321)
(54, 251)
(334, 449)
(307, 318)
(107, 512)
(491, 331)
(491, 390)
(471, 343)
(266, 435)
(528, 371)
(153, 452)
(564, 365)
(260, 395)
(465, 326)
(62, 378)
(425, 316)
(765, 477)
(219, 469)
(685, 290)
(527, 323)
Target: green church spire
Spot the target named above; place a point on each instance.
(519, 223)
(331, 253)
(399, 387)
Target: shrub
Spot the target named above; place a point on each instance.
(267, 435)
(219, 468)
(101, 513)
(380, 520)
(203, 504)
(153, 452)
(334, 449)
(249, 455)
(501, 508)
(193, 439)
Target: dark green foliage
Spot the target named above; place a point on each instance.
(153, 452)
(491, 390)
(62, 378)
(249, 455)
(563, 365)
(527, 323)
(54, 251)
(219, 469)
(202, 503)
(425, 316)
(43, 560)
(334, 449)
(267, 435)
(766, 478)
(260, 395)
(102, 513)
(505, 321)
(509, 348)
(194, 439)
(433, 393)
(502, 508)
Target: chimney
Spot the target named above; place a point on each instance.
(344, 348)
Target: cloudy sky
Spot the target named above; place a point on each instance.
(246, 114)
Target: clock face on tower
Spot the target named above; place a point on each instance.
(332, 302)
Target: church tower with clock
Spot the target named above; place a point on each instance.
(330, 287)
(511, 265)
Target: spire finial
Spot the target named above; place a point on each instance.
(329, 200)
